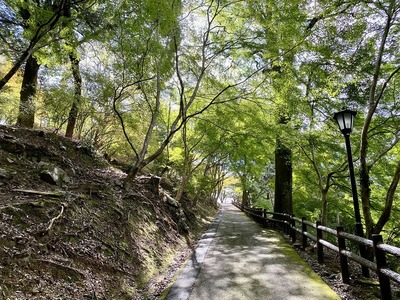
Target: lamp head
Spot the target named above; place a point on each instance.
(345, 120)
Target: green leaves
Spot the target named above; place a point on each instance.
(235, 76)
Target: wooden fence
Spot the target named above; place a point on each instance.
(293, 226)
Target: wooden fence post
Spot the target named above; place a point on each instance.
(384, 281)
(320, 247)
(264, 217)
(303, 229)
(343, 258)
(292, 228)
(287, 224)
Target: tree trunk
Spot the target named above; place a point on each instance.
(373, 102)
(182, 187)
(134, 171)
(245, 198)
(283, 179)
(324, 210)
(219, 186)
(385, 216)
(73, 113)
(141, 160)
(26, 115)
(187, 163)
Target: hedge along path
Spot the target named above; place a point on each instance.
(245, 261)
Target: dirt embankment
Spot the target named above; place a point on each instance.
(68, 229)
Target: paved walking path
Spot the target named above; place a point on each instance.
(237, 259)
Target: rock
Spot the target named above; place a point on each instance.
(4, 174)
(62, 147)
(12, 146)
(53, 174)
(86, 148)
(70, 172)
(169, 200)
(310, 248)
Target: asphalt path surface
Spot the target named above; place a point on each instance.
(237, 259)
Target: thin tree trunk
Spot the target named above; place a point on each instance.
(141, 160)
(385, 216)
(186, 166)
(73, 113)
(26, 115)
(372, 105)
(324, 210)
(182, 187)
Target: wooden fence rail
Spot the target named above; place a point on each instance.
(293, 226)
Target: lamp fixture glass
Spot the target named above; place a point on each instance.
(345, 120)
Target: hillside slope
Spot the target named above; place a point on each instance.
(68, 230)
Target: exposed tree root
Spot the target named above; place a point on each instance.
(52, 262)
(55, 218)
(42, 193)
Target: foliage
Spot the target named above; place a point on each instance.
(9, 98)
(204, 91)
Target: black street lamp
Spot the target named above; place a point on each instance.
(345, 120)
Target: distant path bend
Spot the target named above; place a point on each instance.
(237, 259)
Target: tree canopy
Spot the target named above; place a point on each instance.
(216, 94)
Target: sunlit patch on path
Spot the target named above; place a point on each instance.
(237, 259)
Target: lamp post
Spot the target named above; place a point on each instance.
(345, 120)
